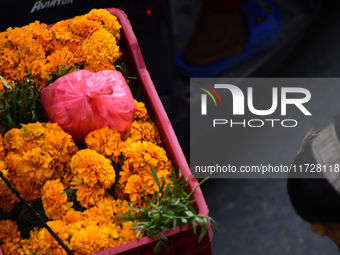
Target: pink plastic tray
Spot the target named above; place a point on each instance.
(180, 241)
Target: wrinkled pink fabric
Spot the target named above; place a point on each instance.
(83, 101)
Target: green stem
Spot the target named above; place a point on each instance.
(34, 100)
(15, 103)
(23, 105)
(204, 180)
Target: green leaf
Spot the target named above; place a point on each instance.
(162, 228)
(170, 208)
(63, 69)
(164, 237)
(202, 234)
(204, 180)
(194, 229)
(184, 220)
(69, 192)
(5, 83)
(20, 104)
(174, 224)
(189, 213)
(199, 221)
(154, 175)
(165, 246)
(139, 233)
(121, 67)
(157, 247)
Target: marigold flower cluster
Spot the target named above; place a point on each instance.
(135, 150)
(43, 162)
(83, 232)
(34, 154)
(89, 41)
(82, 191)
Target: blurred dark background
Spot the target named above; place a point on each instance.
(255, 215)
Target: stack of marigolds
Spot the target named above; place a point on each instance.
(90, 41)
(82, 191)
(43, 162)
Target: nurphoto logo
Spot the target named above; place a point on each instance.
(301, 97)
(204, 97)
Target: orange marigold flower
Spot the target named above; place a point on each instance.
(29, 172)
(141, 113)
(73, 216)
(54, 200)
(134, 187)
(31, 245)
(30, 191)
(59, 58)
(100, 49)
(33, 132)
(93, 168)
(138, 158)
(12, 161)
(84, 27)
(92, 239)
(38, 68)
(99, 67)
(103, 211)
(143, 131)
(128, 234)
(7, 197)
(96, 214)
(119, 207)
(22, 140)
(21, 51)
(75, 48)
(42, 242)
(41, 34)
(36, 166)
(3, 40)
(62, 32)
(12, 248)
(90, 195)
(9, 232)
(59, 143)
(2, 148)
(63, 172)
(36, 153)
(14, 142)
(108, 21)
(106, 141)
(61, 147)
(8, 202)
(139, 155)
(76, 182)
(3, 185)
(54, 144)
